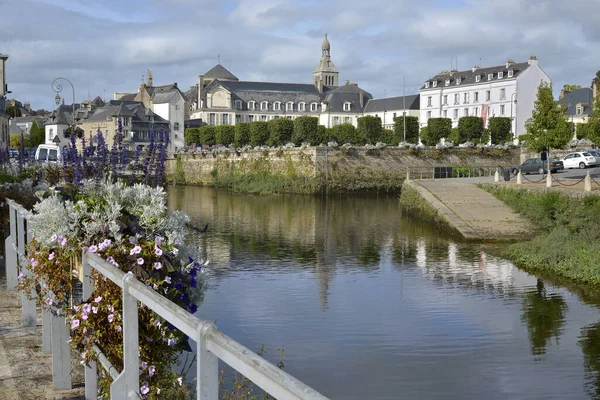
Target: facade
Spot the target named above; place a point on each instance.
(4, 127)
(578, 104)
(392, 107)
(168, 102)
(220, 98)
(57, 122)
(508, 90)
(23, 124)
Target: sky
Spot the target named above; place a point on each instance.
(106, 46)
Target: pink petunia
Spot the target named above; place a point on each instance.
(158, 240)
(151, 370)
(74, 324)
(144, 389)
(84, 316)
(53, 237)
(34, 262)
(98, 299)
(49, 301)
(144, 364)
(118, 328)
(158, 251)
(62, 240)
(168, 280)
(111, 309)
(158, 265)
(51, 256)
(21, 276)
(111, 318)
(136, 250)
(95, 310)
(93, 248)
(140, 261)
(86, 308)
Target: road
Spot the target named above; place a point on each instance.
(576, 173)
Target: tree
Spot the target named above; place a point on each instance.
(438, 128)
(593, 130)
(583, 131)
(322, 135)
(548, 125)
(470, 129)
(36, 134)
(369, 127)
(280, 131)
(206, 135)
(499, 128)
(15, 141)
(455, 136)
(570, 88)
(345, 133)
(259, 133)
(306, 130)
(412, 129)
(241, 134)
(224, 134)
(13, 111)
(424, 136)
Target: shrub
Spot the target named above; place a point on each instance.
(412, 129)
(206, 135)
(224, 134)
(438, 128)
(259, 133)
(280, 131)
(470, 129)
(306, 130)
(241, 134)
(388, 137)
(192, 135)
(583, 131)
(425, 138)
(455, 136)
(346, 133)
(499, 129)
(322, 135)
(370, 128)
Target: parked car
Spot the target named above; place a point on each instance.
(579, 159)
(13, 153)
(48, 153)
(534, 165)
(595, 153)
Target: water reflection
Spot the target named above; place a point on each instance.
(590, 346)
(544, 315)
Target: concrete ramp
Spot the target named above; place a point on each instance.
(472, 212)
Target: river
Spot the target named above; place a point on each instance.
(370, 304)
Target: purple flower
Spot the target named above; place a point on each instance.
(118, 328)
(140, 261)
(84, 316)
(158, 251)
(93, 248)
(144, 364)
(136, 250)
(171, 342)
(62, 240)
(21, 276)
(144, 389)
(168, 280)
(175, 251)
(98, 299)
(53, 237)
(34, 263)
(51, 256)
(49, 301)
(111, 317)
(132, 240)
(151, 370)
(158, 240)
(157, 265)
(86, 308)
(74, 324)
(111, 309)
(95, 310)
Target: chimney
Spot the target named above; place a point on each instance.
(532, 60)
(200, 91)
(175, 84)
(509, 62)
(27, 106)
(475, 68)
(347, 82)
(3, 86)
(149, 78)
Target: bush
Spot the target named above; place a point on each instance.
(192, 136)
(424, 136)
(369, 127)
(470, 129)
(241, 134)
(306, 130)
(583, 131)
(388, 137)
(346, 133)
(499, 129)
(206, 135)
(280, 131)
(224, 134)
(259, 133)
(455, 136)
(412, 129)
(438, 128)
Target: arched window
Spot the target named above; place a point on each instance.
(264, 105)
(252, 105)
(314, 106)
(289, 106)
(277, 106)
(347, 106)
(302, 106)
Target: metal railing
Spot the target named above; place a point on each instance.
(437, 172)
(211, 344)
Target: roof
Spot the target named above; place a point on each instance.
(394, 103)
(220, 72)
(583, 96)
(63, 115)
(192, 94)
(469, 77)
(350, 92)
(128, 97)
(270, 91)
(15, 129)
(134, 109)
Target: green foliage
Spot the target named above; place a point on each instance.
(370, 128)
(15, 140)
(306, 130)
(570, 88)
(438, 128)
(206, 135)
(548, 125)
(412, 129)
(322, 134)
(192, 135)
(424, 136)
(36, 134)
(224, 134)
(346, 133)
(242, 134)
(583, 131)
(259, 133)
(470, 129)
(280, 131)
(593, 131)
(388, 137)
(13, 111)
(455, 136)
(499, 128)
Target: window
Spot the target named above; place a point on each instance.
(429, 101)
(502, 94)
(252, 105)
(237, 104)
(313, 106)
(277, 106)
(428, 114)
(238, 119)
(445, 101)
(302, 106)
(445, 113)
(250, 118)
(434, 83)
(347, 106)
(500, 75)
(579, 109)
(456, 98)
(466, 112)
(456, 113)
(347, 120)
(264, 106)
(502, 109)
(225, 119)
(476, 111)
(336, 121)
(426, 84)
(488, 95)
(394, 115)
(211, 119)
(458, 81)
(476, 97)
(477, 78)
(466, 98)
(510, 73)
(490, 77)
(289, 106)
(263, 117)
(447, 82)
(176, 126)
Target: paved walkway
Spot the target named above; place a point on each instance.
(25, 370)
(475, 213)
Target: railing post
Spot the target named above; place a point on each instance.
(28, 309)
(9, 250)
(207, 387)
(46, 330)
(91, 381)
(61, 353)
(88, 284)
(128, 381)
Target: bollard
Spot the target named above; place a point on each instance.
(519, 178)
(407, 174)
(496, 176)
(587, 187)
(549, 179)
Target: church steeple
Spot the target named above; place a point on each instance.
(326, 74)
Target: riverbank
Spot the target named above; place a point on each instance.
(25, 370)
(568, 235)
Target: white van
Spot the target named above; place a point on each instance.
(48, 153)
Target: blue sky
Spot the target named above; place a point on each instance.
(104, 46)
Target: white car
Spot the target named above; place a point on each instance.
(580, 159)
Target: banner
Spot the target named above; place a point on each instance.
(484, 112)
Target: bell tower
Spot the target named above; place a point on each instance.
(325, 74)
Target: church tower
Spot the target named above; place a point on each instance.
(326, 74)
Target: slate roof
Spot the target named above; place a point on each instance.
(15, 129)
(469, 77)
(347, 93)
(393, 103)
(63, 115)
(220, 72)
(128, 97)
(270, 91)
(134, 109)
(192, 94)
(584, 96)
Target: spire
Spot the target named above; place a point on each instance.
(326, 47)
(325, 74)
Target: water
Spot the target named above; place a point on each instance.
(370, 304)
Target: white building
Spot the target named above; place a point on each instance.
(508, 90)
(4, 136)
(391, 107)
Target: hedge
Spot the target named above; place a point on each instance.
(259, 133)
(206, 135)
(346, 133)
(191, 136)
(280, 131)
(470, 129)
(306, 130)
(412, 129)
(499, 128)
(225, 134)
(241, 134)
(369, 127)
(438, 128)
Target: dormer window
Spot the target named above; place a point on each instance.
(264, 106)
(347, 106)
(252, 105)
(490, 77)
(426, 84)
(447, 82)
(277, 106)
(302, 106)
(237, 104)
(434, 83)
(500, 75)
(510, 73)
(477, 78)
(313, 106)
(289, 106)
(579, 109)
(458, 80)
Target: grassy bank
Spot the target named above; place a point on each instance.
(568, 239)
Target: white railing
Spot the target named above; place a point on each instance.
(211, 344)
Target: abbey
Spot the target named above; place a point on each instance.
(220, 98)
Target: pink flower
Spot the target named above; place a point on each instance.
(86, 308)
(21, 276)
(171, 342)
(111, 317)
(34, 263)
(158, 240)
(74, 324)
(95, 310)
(140, 261)
(168, 280)
(111, 309)
(84, 316)
(118, 328)
(144, 364)
(93, 248)
(51, 256)
(158, 251)
(107, 242)
(157, 324)
(175, 251)
(157, 265)
(136, 250)
(62, 240)
(75, 273)
(144, 389)
(180, 381)
(53, 237)
(98, 299)
(151, 370)
(49, 301)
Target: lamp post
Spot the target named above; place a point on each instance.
(57, 87)
(512, 131)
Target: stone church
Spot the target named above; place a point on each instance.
(220, 98)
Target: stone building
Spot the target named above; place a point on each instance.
(220, 98)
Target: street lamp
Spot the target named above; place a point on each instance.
(57, 87)
(512, 131)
